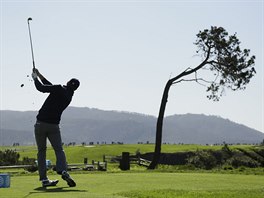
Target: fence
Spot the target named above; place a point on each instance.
(126, 159)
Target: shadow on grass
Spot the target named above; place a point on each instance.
(58, 189)
(53, 190)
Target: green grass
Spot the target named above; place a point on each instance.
(146, 184)
(167, 182)
(75, 154)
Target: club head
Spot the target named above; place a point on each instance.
(29, 19)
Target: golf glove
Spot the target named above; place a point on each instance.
(34, 75)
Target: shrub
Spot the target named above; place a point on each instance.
(228, 167)
(8, 157)
(203, 159)
(242, 160)
(28, 161)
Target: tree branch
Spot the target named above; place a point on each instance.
(190, 80)
(190, 70)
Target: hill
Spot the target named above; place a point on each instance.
(94, 125)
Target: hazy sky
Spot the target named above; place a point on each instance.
(124, 52)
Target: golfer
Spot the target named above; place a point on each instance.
(47, 125)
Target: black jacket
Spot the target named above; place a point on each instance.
(57, 101)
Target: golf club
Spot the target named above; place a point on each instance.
(30, 19)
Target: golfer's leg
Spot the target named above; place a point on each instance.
(40, 136)
(55, 140)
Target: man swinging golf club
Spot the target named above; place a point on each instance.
(47, 125)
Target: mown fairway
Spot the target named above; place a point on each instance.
(142, 185)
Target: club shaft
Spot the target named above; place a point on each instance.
(31, 45)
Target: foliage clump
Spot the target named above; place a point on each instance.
(9, 157)
(209, 159)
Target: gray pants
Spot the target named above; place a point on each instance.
(52, 132)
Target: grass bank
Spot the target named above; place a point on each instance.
(76, 154)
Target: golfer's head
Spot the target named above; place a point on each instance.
(73, 84)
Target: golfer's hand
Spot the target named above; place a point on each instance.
(38, 73)
(34, 75)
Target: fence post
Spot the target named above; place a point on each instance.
(105, 165)
(125, 163)
(85, 161)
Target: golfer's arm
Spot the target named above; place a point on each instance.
(44, 80)
(45, 88)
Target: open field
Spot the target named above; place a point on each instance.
(75, 154)
(142, 185)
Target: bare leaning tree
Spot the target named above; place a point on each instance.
(229, 67)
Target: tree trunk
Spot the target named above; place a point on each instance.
(163, 104)
(159, 126)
